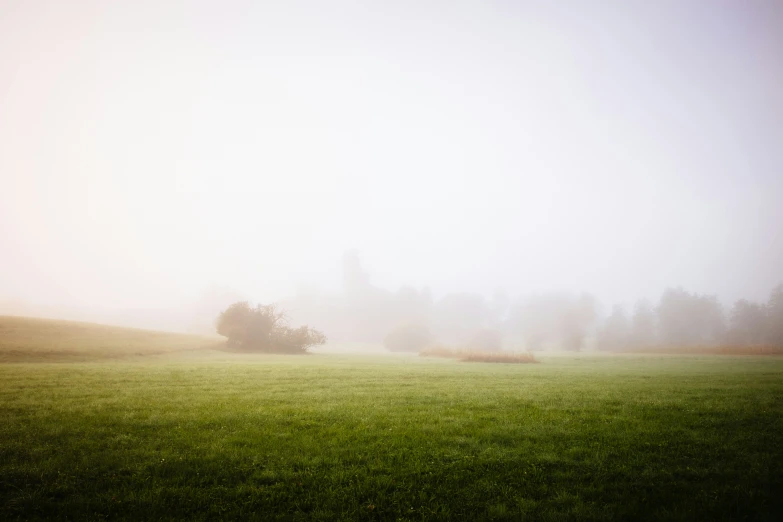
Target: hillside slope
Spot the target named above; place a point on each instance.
(25, 339)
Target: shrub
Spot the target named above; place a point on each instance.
(410, 337)
(294, 340)
(263, 329)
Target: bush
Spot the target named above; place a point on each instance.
(411, 337)
(263, 329)
(294, 340)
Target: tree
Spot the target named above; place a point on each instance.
(748, 323)
(575, 321)
(615, 332)
(774, 329)
(690, 319)
(456, 318)
(643, 325)
(529, 322)
(498, 307)
(552, 320)
(712, 319)
(408, 337)
(263, 329)
(355, 280)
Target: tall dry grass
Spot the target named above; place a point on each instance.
(711, 350)
(499, 357)
(477, 356)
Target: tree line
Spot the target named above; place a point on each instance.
(688, 319)
(411, 319)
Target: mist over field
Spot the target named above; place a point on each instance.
(375, 260)
(157, 155)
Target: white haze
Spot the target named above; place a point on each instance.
(150, 150)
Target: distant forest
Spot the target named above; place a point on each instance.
(408, 318)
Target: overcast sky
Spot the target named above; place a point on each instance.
(150, 149)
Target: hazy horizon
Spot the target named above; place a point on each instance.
(150, 151)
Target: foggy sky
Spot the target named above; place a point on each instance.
(151, 149)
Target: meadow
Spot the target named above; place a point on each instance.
(185, 432)
(26, 339)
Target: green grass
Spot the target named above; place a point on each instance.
(349, 437)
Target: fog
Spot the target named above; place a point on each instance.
(158, 158)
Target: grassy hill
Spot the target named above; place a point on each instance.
(25, 339)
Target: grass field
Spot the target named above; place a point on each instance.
(210, 435)
(24, 339)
